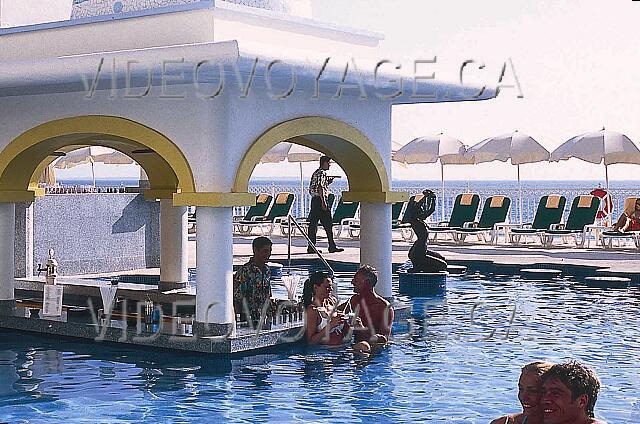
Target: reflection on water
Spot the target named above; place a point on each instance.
(8, 372)
(466, 344)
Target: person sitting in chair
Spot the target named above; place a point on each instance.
(422, 259)
(629, 220)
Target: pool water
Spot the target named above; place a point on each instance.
(456, 361)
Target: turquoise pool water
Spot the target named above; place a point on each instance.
(456, 361)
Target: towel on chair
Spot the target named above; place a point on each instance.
(496, 202)
(553, 201)
(466, 199)
(282, 198)
(585, 201)
(262, 198)
(629, 205)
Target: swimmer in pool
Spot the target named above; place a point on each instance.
(529, 394)
(324, 324)
(375, 313)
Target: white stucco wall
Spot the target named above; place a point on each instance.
(258, 31)
(213, 134)
(249, 118)
(291, 7)
(280, 40)
(88, 8)
(125, 34)
(188, 124)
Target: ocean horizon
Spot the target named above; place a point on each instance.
(396, 183)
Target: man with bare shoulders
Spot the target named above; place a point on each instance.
(375, 312)
(570, 391)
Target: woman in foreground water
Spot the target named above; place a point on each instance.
(323, 323)
(529, 394)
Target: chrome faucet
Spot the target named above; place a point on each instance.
(51, 268)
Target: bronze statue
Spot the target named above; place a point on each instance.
(423, 260)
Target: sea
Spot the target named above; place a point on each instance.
(530, 191)
(435, 185)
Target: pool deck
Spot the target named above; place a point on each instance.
(619, 262)
(624, 259)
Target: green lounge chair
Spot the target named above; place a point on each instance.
(493, 214)
(582, 213)
(255, 212)
(407, 233)
(344, 215)
(464, 210)
(396, 223)
(263, 201)
(607, 238)
(406, 230)
(549, 212)
(277, 215)
(304, 222)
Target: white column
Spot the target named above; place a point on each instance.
(375, 243)
(214, 259)
(7, 236)
(23, 264)
(29, 241)
(174, 261)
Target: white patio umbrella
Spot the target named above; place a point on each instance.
(600, 146)
(277, 153)
(519, 147)
(430, 149)
(48, 176)
(92, 154)
(595, 147)
(292, 153)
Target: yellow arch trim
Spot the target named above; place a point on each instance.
(23, 157)
(358, 157)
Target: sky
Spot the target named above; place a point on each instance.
(25, 12)
(576, 62)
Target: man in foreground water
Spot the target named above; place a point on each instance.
(374, 311)
(570, 391)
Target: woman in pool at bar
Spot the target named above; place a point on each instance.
(324, 324)
(529, 394)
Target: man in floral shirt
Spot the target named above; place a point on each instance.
(252, 283)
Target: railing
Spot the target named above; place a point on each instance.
(292, 220)
(530, 198)
(83, 189)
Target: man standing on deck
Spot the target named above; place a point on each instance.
(319, 190)
(252, 283)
